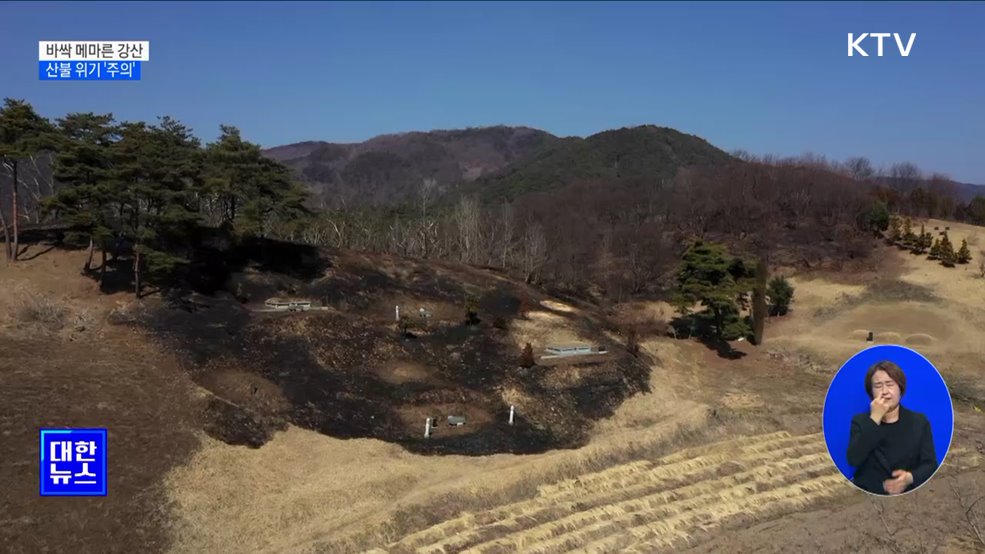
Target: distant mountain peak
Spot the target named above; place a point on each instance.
(498, 162)
(388, 169)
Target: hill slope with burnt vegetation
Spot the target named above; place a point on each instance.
(347, 369)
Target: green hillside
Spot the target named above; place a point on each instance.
(646, 151)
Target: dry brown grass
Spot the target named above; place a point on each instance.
(527, 500)
(541, 328)
(954, 284)
(575, 512)
(41, 311)
(317, 493)
(639, 485)
(647, 319)
(345, 503)
(558, 306)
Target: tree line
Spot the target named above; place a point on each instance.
(903, 187)
(901, 233)
(138, 192)
(622, 238)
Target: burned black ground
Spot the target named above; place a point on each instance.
(331, 366)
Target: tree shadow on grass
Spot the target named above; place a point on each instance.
(722, 348)
(23, 258)
(699, 327)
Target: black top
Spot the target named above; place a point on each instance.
(877, 450)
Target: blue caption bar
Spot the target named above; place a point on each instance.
(89, 70)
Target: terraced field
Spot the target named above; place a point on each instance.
(649, 506)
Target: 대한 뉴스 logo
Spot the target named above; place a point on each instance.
(73, 462)
(855, 43)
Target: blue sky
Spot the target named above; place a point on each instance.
(765, 77)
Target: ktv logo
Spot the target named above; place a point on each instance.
(855, 43)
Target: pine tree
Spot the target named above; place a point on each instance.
(935, 250)
(947, 255)
(894, 230)
(708, 275)
(245, 189)
(780, 292)
(964, 255)
(22, 133)
(82, 167)
(875, 216)
(908, 237)
(156, 177)
(918, 241)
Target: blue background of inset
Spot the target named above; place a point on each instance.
(49, 488)
(925, 393)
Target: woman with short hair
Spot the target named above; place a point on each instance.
(891, 447)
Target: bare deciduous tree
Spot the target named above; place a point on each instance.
(426, 227)
(507, 234)
(904, 176)
(466, 217)
(426, 192)
(860, 168)
(534, 252)
(973, 510)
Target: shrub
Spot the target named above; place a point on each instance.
(632, 341)
(875, 217)
(527, 356)
(935, 250)
(908, 238)
(895, 231)
(39, 310)
(964, 255)
(526, 305)
(471, 310)
(947, 255)
(780, 293)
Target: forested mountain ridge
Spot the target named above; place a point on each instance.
(646, 151)
(497, 163)
(389, 169)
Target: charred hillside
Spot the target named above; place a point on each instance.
(348, 370)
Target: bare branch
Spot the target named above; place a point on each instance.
(969, 512)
